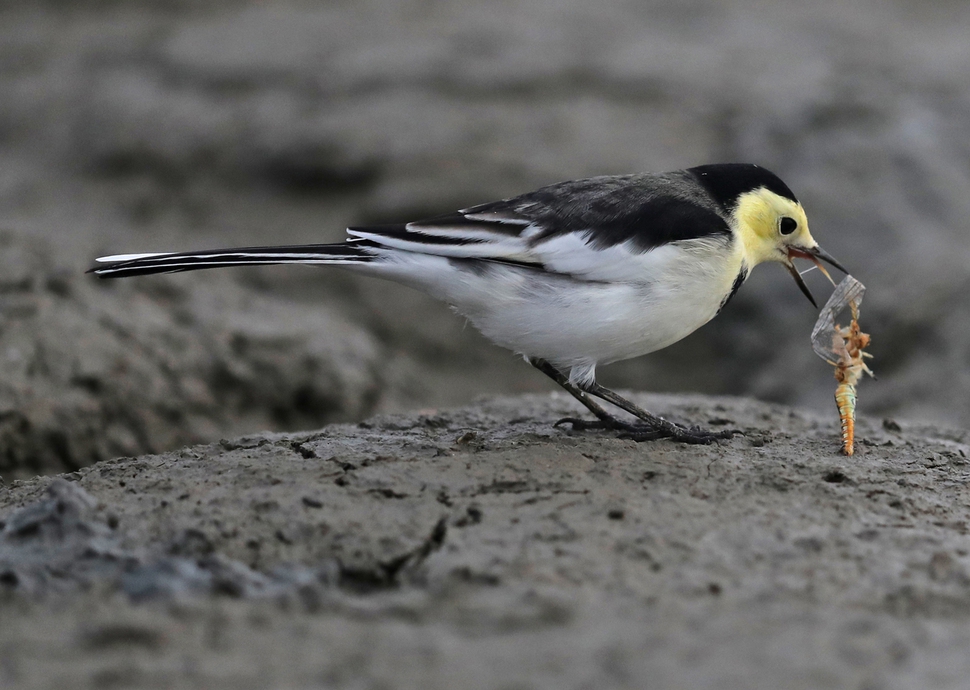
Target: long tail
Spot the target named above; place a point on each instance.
(125, 265)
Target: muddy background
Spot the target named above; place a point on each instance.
(141, 126)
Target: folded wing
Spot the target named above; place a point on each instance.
(603, 229)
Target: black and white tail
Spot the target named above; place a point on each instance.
(124, 265)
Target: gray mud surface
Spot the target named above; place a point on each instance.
(91, 371)
(480, 547)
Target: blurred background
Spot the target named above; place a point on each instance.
(140, 126)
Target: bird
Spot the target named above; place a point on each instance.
(576, 274)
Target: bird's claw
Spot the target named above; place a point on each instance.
(693, 435)
(586, 424)
(645, 431)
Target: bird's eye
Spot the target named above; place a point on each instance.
(788, 225)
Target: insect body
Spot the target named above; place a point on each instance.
(844, 348)
(848, 372)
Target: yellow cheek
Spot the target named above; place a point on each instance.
(757, 216)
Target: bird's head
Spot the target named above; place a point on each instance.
(767, 217)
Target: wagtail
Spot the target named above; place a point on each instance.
(575, 274)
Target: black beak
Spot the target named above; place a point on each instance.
(813, 254)
(801, 283)
(817, 252)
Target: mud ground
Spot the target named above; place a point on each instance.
(480, 547)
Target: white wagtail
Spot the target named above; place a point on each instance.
(574, 274)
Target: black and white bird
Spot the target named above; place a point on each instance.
(574, 274)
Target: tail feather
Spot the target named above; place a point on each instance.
(125, 265)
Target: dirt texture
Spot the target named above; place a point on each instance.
(92, 370)
(481, 547)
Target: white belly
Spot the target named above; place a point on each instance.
(579, 323)
(576, 324)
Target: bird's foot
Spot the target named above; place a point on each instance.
(693, 435)
(648, 431)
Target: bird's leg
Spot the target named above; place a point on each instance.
(606, 420)
(649, 428)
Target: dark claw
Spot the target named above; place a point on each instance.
(641, 436)
(648, 432)
(587, 424)
(693, 435)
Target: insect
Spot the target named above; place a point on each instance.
(844, 348)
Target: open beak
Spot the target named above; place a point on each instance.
(813, 255)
